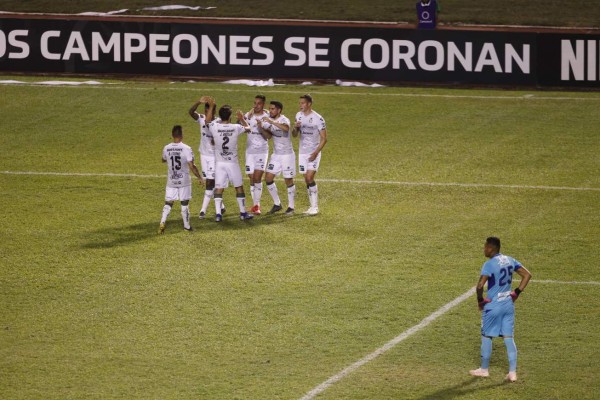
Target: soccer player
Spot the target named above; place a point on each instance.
(257, 151)
(313, 137)
(283, 159)
(180, 160)
(498, 319)
(206, 149)
(227, 168)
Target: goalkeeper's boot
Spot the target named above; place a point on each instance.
(511, 377)
(480, 372)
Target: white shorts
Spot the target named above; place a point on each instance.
(282, 164)
(208, 166)
(256, 162)
(306, 165)
(227, 172)
(178, 193)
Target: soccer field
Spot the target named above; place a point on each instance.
(95, 304)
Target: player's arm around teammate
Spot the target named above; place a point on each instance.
(283, 159)
(206, 149)
(257, 151)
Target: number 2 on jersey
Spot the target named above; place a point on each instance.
(225, 141)
(504, 274)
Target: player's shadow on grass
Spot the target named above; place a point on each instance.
(120, 235)
(461, 389)
(123, 235)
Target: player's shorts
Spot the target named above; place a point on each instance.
(178, 193)
(208, 166)
(256, 162)
(306, 165)
(226, 172)
(282, 164)
(498, 321)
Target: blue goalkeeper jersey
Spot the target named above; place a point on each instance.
(499, 270)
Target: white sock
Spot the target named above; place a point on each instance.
(257, 193)
(208, 194)
(291, 196)
(273, 192)
(252, 192)
(242, 203)
(313, 196)
(185, 214)
(218, 204)
(165, 213)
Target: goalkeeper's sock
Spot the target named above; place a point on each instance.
(185, 214)
(486, 351)
(511, 350)
(165, 213)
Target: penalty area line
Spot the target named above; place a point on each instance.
(329, 180)
(388, 346)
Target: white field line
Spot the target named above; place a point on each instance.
(331, 180)
(118, 86)
(407, 333)
(389, 345)
(551, 281)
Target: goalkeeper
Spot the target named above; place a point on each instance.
(498, 318)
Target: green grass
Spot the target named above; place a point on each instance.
(95, 304)
(577, 13)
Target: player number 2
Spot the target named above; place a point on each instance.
(506, 276)
(225, 141)
(175, 163)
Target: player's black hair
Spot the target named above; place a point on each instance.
(277, 104)
(177, 131)
(307, 97)
(260, 96)
(494, 241)
(225, 113)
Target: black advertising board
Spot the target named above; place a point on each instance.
(298, 52)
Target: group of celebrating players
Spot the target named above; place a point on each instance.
(220, 166)
(219, 157)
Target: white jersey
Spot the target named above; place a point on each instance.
(207, 148)
(312, 125)
(256, 144)
(282, 140)
(177, 156)
(226, 140)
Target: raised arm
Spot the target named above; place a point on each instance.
(192, 110)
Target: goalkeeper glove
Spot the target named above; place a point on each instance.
(515, 294)
(482, 302)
